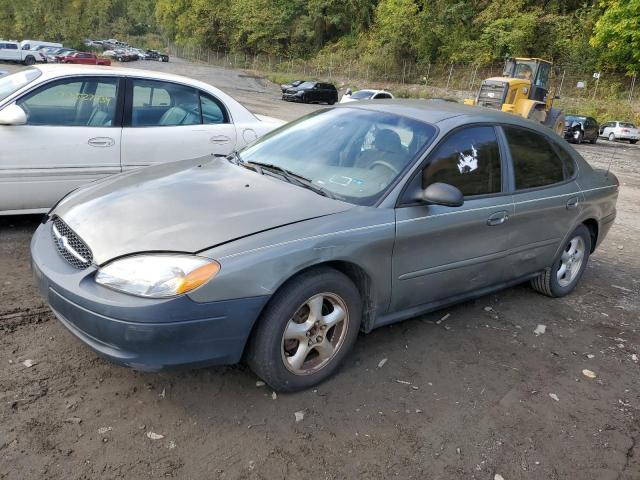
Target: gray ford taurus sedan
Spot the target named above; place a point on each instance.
(348, 219)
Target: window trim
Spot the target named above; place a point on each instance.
(127, 111)
(218, 102)
(117, 118)
(403, 202)
(513, 188)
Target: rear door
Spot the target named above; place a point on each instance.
(166, 121)
(72, 137)
(444, 252)
(546, 196)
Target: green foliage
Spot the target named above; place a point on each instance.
(391, 33)
(618, 31)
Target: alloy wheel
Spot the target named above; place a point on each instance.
(571, 261)
(315, 333)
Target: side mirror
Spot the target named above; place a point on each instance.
(443, 194)
(13, 115)
(348, 92)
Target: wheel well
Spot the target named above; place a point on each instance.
(363, 283)
(592, 225)
(360, 279)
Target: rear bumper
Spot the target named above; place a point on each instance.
(146, 334)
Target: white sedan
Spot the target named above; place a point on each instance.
(62, 126)
(365, 94)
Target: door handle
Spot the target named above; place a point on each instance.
(101, 142)
(220, 139)
(498, 218)
(572, 203)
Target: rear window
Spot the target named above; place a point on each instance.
(12, 83)
(535, 162)
(627, 125)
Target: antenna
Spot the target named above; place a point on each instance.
(615, 149)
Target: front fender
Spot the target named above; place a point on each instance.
(258, 265)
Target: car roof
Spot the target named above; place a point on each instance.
(54, 70)
(436, 112)
(60, 69)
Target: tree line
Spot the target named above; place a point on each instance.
(591, 33)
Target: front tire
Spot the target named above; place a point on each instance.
(561, 278)
(633, 142)
(306, 330)
(595, 139)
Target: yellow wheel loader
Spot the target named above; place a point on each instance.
(523, 89)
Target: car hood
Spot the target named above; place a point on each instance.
(185, 206)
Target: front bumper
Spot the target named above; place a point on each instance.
(145, 334)
(292, 97)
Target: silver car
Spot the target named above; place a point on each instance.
(620, 131)
(343, 221)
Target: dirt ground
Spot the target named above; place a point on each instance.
(475, 395)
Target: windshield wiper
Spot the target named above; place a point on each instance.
(289, 175)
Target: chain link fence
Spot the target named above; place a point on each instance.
(454, 79)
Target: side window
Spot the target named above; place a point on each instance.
(11, 46)
(163, 104)
(85, 102)
(469, 160)
(567, 161)
(535, 162)
(212, 110)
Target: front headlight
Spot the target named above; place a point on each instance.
(157, 275)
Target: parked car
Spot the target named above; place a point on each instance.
(57, 55)
(620, 131)
(142, 55)
(125, 56)
(114, 120)
(85, 58)
(10, 51)
(155, 55)
(341, 222)
(293, 84)
(312, 92)
(365, 94)
(36, 44)
(578, 129)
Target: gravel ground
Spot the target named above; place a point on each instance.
(475, 395)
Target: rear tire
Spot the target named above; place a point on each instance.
(30, 60)
(612, 137)
(595, 139)
(306, 330)
(561, 278)
(633, 142)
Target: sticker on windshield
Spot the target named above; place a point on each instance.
(468, 163)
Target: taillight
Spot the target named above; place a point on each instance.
(625, 130)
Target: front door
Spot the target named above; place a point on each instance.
(168, 121)
(443, 252)
(72, 137)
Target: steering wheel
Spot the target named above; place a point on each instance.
(384, 164)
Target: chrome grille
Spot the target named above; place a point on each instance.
(492, 94)
(70, 246)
